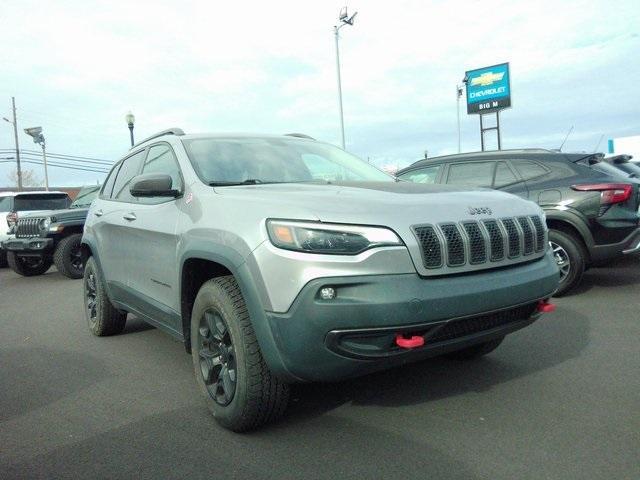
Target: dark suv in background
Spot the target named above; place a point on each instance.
(592, 217)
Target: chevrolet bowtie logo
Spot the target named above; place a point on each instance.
(486, 79)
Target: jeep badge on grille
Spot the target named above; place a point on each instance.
(480, 211)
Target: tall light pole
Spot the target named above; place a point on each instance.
(15, 135)
(130, 119)
(344, 20)
(38, 137)
(458, 96)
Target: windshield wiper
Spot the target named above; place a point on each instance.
(249, 181)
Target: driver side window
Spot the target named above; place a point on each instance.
(160, 159)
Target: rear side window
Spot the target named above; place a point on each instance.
(529, 170)
(423, 175)
(108, 184)
(474, 174)
(26, 203)
(128, 170)
(504, 175)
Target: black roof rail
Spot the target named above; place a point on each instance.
(169, 131)
(298, 135)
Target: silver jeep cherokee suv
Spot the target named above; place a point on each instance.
(280, 259)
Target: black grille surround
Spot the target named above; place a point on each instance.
(480, 244)
(28, 227)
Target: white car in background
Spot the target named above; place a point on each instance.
(12, 204)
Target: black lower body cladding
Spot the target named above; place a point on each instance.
(352, 334)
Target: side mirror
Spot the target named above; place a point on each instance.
(153, 185)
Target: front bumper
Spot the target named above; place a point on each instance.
(32, 245)
(323, 340)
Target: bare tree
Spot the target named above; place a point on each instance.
(29, 178)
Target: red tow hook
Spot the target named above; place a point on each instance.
(414, 341)
(545, 307)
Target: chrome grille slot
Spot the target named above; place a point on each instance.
(496, 240)
(513, 237)
(527, 235)
(477, 244)
(28, 227)
(454, 244)
(540, 241)
(430, 243)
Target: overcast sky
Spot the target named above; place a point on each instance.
(77, 67)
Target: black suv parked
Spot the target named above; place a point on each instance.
(592, 217)
(46, 237)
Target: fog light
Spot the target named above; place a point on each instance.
(327, 293)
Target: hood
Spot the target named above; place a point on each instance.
(395, 204)
(68, 214)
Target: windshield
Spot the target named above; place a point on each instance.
(276, 160)
(85, 196)
(26, 203)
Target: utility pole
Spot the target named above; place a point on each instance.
(15, 135)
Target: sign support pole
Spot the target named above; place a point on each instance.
(484, 129)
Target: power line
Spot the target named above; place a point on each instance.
(51, 164)
(97, 164)
(110, 162)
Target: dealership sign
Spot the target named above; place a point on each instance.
(488, 89)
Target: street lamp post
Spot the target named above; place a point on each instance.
(344, 20)
(130, 119)
(458, 96)
(38, 137)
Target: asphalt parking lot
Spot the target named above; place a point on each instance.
(558, 400)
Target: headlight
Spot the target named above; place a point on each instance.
(46, 223)
(328, 238)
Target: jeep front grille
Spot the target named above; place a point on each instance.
(480, 244)
(28, 227)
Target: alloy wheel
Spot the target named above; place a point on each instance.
(76, 258)
(217, 357)
(562, 259)
(91, 297)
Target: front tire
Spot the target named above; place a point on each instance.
(28, 266)
(570, 256)
(68, 258)
(103, 318)
(240, 390)
(476, 351)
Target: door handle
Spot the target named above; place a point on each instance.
(98, 213)
(129, 216)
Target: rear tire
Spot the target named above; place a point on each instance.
(67, 257)
(3, 258)
(476, 351)
(240, 390)
(103, 318)
(570, 256)
(28, 266)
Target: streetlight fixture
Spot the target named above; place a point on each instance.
(130, 119)
(345, 19)
(38, 137)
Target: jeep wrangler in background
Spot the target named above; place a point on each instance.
(280, 259)
(14, 204)
(43, 238)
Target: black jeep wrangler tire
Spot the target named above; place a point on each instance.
(67, 257)
(475, 351)
(28, 266)
(240, 390)
(3, 258)
(103, 318)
